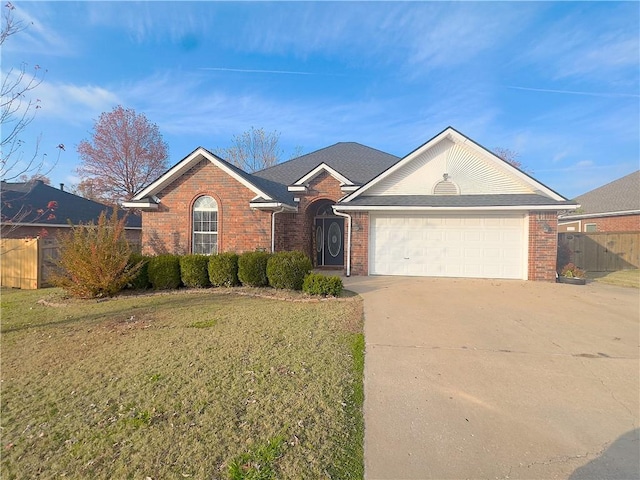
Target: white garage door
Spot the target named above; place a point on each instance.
(478, 246)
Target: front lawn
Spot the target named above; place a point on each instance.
(203, 385)
(622, 278)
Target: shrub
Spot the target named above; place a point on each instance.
(318, 284)
(252, 269)
(223, 269)
(164, 272)
(141, 280)
(94, 258)
(571, 271)
(288, 269)
(194, 271)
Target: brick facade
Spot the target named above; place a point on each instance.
(240, 229)
(619, 223)
(543, 245)
(360, 243)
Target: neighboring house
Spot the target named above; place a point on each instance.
(450, 208)
(614, 207)
(33, 209)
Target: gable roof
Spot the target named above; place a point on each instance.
(21, 202)
(358, 163)
(621, 196)
(496, 174)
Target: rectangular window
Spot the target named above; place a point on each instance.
(590, 227)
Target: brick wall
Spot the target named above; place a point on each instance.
(294, 231)
(620, 223)
(240, 229)
(360, 243)
(543, 245)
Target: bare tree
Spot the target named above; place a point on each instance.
(253, 150)
(511, 157)
(17, 108)
(125, 153)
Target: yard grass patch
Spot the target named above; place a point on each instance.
(180, 385)
(622, 278)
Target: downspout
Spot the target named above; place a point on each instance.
(348, 217)
(273, 228)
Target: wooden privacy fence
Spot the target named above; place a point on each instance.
(603, 251)
(26, 262)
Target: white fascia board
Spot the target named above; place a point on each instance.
(272, 206)
(365, 208)
(399, 164)
(178, 169)
(297, 188)
(597, 215)
(349, 188)
(141, 205)
(316, 171)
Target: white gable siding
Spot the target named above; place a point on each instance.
(473, 173)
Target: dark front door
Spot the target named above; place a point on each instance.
(329, 241)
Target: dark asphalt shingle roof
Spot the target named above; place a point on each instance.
(33, 196)
(357, 162)
(455, 200)
(621, 195)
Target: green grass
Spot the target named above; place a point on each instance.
(622, 278)
(181, 385)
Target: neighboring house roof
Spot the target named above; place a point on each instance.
(38, 204)
(354, 161)
(620, 197)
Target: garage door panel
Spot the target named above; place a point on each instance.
(479, 246)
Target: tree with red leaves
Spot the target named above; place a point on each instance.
(125, 154)
(511, 158)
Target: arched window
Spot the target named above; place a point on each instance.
(205, 226)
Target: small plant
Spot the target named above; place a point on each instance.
(95, 258)
(141, 280)
(571, 271)
(288, 269)
(223, 269)
(194, 271)
(164, 272)
(252, 269)
(318, 284)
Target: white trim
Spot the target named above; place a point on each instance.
(178, 169)
(297, 188)
(451, 134)
(146, 205)
(272, 205)
(564, 218)
(401, 208)
(316, 171)
(525, 259)
(349, 188)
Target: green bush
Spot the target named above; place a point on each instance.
(194, 271)
(223, 269)
(164, 272)
(288, 269)
(252, 269)
(141, 280)
(94, 258)
(318, 284)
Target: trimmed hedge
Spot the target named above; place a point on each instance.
(318, 284)
(288, 269)
(164, 272)
(252, 269)
(194, 271)
(141, 280)
(223, 269)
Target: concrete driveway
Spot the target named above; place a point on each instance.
(499, 379)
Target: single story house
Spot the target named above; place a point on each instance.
(35, 209)
(450, 208)
(614, 207)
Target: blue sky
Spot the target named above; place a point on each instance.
(557, 82)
